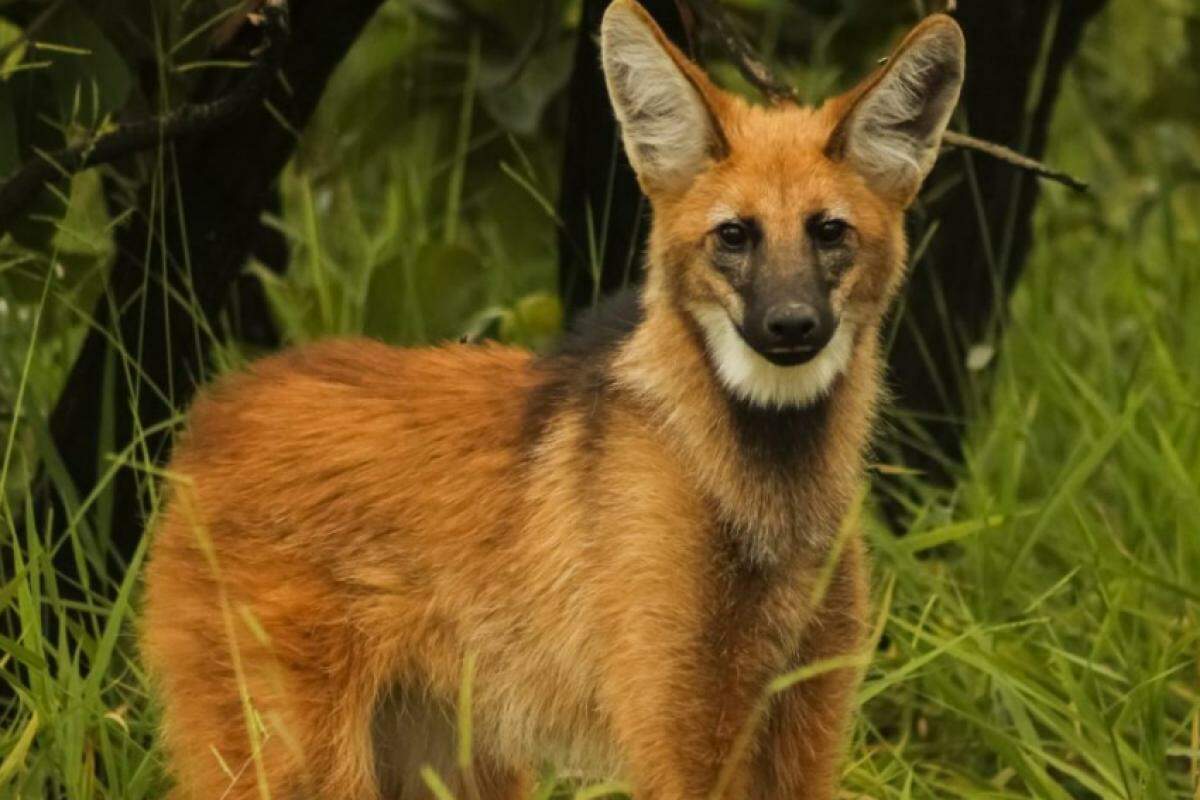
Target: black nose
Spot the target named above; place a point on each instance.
(795, 325)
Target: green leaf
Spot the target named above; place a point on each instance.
(9, 35)
(535, 322)
(431, 300)
(520, 99)
(385, 313)
(68, 231)
(90, 77)
(85, 226)
(16, 757)
(450, 284)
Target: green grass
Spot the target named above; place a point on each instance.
(1041, 619)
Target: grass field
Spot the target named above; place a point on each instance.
(1039, 623)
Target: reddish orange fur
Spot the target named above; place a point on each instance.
(347, 522)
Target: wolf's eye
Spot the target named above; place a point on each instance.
(829, 232)
(734, 235)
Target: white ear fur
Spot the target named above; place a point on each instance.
(669, 131)
(893, 131)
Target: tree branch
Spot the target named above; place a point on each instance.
(963, 141)
(710, 16)
(20, 188)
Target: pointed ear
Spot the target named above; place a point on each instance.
(893, 125)
(666, 105)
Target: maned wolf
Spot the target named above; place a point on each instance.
(626, 540)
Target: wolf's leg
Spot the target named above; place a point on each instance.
(265, 687)
(805, 732)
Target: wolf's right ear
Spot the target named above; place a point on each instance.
(666, 105)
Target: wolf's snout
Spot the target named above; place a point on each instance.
(799, 328)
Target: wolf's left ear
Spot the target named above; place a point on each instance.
(666, 105)
(893, 126)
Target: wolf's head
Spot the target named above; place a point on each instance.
(778, 230)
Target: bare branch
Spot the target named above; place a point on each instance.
(998, 151)
(709, 15)
(20, 188)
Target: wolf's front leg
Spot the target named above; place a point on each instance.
(670, 697)
(804, 735)
(804, 740)
(676, 736)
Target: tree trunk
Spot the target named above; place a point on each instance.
(603, 211)
(181, 251)
(957, 294)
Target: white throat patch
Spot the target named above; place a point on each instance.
(761, 383)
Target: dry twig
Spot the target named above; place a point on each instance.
(963, 141)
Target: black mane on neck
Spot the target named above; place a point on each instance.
(779, 439)
(578, 369)
(600, 330)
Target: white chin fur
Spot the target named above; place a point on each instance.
(761, 383)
